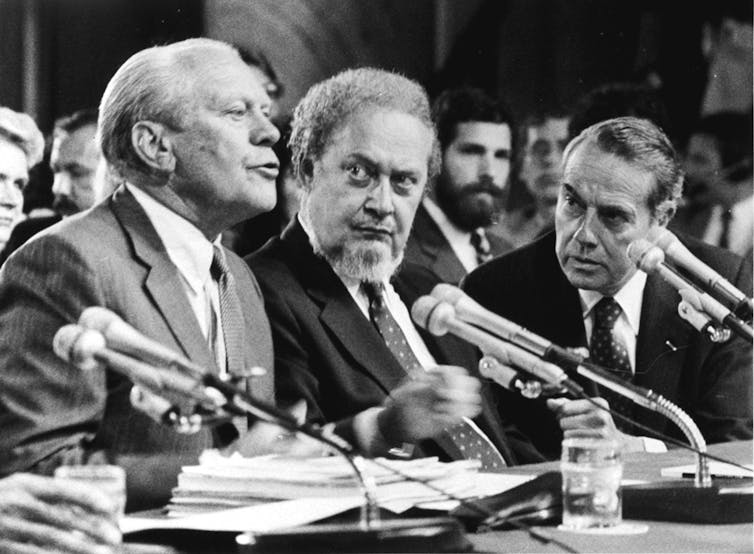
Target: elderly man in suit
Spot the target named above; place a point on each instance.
(578, 287)
(186, 127)
(363, 148)
(450, 234)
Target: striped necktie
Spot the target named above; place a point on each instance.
(461, 441)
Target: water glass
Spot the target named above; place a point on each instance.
(110, 479)
(592, 470)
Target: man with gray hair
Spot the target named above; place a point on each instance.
(363, 148)
(186, 127)
(578, 288)
(21, 147)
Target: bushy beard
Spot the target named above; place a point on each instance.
(362, 260)
(465, 208)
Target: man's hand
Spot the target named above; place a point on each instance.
(581, 418)
(41, 514)
(423, 407)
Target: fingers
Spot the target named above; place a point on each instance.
(581, 418)
(54, 491)
(456, 394)
(20, 534)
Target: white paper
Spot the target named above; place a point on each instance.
(260, 518)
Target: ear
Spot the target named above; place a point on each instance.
(665, 212)
(153, 145)
(307, 172)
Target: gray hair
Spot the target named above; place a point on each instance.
(641, 142)
(155, 84)
(19, 129)
(330, 103)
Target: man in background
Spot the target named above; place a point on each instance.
(21, 147)
(545, 136)
(186, 127)
(450, 235)
(363, 148)
(578, 288)
(73, 161)
(719, 190)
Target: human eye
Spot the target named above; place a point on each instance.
(404, 184)
(237, 111)
(358, 172)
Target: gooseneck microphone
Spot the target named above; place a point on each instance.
(439, 317)
(651, 259)
(714, 283)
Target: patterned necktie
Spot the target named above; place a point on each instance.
(482, 245)
(230, 312)
(461, 441)
(610, 352)
(725, 219)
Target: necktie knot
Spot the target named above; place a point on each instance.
(606, 313)
(219, 267)
(481, 244)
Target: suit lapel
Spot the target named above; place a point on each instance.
(340, 314)
(661, 346)
(162, 280)
(441, 259)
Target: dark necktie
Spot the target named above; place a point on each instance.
(482, 246)
(230, 313)
(725, 219)
(610, 352)
(461, 441)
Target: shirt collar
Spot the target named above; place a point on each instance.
(187, 247)
(629, 297)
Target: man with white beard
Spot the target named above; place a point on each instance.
(363, 148)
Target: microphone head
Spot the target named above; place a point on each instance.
(665, 239)
(77, 345)
(98, 318)
(645, 255)
(433, 315)
(448, 293)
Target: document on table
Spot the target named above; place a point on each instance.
(396, 497)
(259, 518)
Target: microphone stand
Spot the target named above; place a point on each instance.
(371, 534)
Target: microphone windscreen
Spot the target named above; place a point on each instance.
(78, 346)
(421, 309)
(448, 293)
(98, 318)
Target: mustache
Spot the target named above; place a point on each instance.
(64, 205)
(483, 185)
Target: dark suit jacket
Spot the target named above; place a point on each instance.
(712, 383)
(53, 413)
(428, 247)
(329, 354)
(24, 231)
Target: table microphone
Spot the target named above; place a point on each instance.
(651, 259)
(170, 374)
(714, 283)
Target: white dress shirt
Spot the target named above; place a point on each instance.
(459, 240)
(191, 253)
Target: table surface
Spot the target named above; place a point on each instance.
(660, 536)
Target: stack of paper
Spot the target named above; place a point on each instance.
(220, 482)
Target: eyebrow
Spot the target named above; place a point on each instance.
(367, 160)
